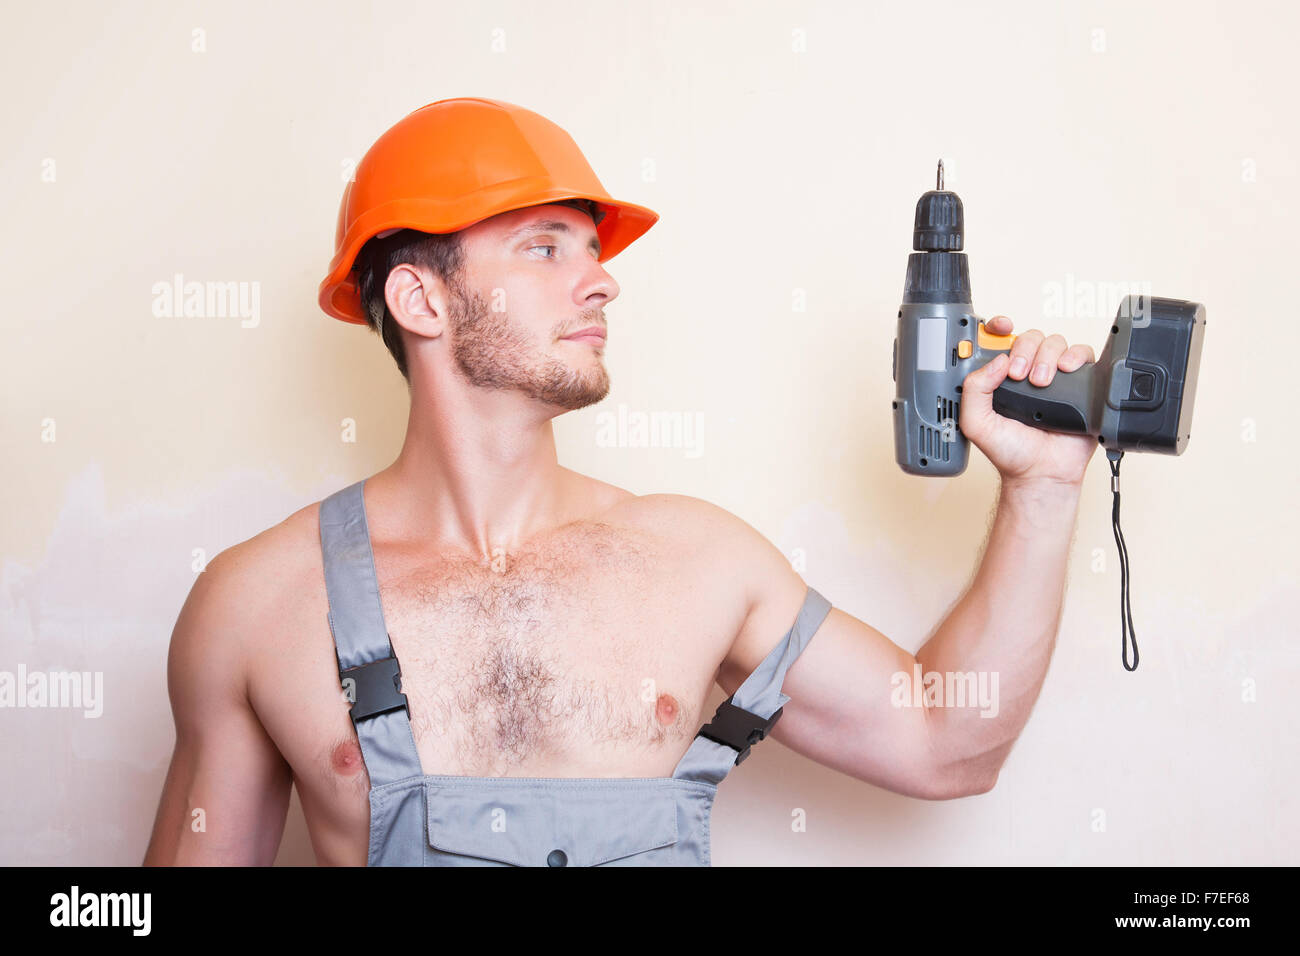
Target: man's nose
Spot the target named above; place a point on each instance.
(600, 283)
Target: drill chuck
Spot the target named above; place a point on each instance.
(938, 271)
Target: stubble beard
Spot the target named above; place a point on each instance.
(491, 352)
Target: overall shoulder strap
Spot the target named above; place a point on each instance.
(368, 668)
(748, 715)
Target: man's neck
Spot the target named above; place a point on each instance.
(477, 480)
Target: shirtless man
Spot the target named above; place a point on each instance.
(531, 607)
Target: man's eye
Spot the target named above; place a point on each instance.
(546, 247)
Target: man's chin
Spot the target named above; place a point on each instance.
(566, 388)
(571, 401)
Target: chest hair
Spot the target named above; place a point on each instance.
(535, 651)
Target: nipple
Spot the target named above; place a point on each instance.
(346, 758)
(666, 709)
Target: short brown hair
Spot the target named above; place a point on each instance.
(442, 253)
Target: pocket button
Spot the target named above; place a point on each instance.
(556, 858)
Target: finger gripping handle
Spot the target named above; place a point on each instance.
(1063, 406)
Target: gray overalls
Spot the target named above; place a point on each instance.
(419, 819)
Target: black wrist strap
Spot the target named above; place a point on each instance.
(1125, 609)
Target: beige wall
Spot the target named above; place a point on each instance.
(784, 145)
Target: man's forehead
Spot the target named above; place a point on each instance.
(523, 218)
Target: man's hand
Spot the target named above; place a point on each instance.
(1021, 453)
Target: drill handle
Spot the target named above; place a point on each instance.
(1066, 405)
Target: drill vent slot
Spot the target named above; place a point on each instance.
(931, 439)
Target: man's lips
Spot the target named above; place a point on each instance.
(594, 335)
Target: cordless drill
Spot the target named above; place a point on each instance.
(1137, 396)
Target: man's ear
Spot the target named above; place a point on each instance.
(417, 300)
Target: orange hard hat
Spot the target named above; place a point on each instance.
(456, 162)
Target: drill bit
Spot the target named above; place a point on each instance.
(940, 178)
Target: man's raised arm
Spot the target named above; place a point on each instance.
(846, 710)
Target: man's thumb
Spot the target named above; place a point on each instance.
(977, 393)
(988, 378)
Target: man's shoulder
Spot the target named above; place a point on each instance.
(244, 597)
(706, 528)
(672, 513)
(281, 546)
(255, 576)
(614, 503)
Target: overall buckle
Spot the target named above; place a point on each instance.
(738, 728)
(376, 688)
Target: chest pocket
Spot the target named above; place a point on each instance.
(534, 822)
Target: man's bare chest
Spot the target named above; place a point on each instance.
(590, 653)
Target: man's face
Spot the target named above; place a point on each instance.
(531, 280)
